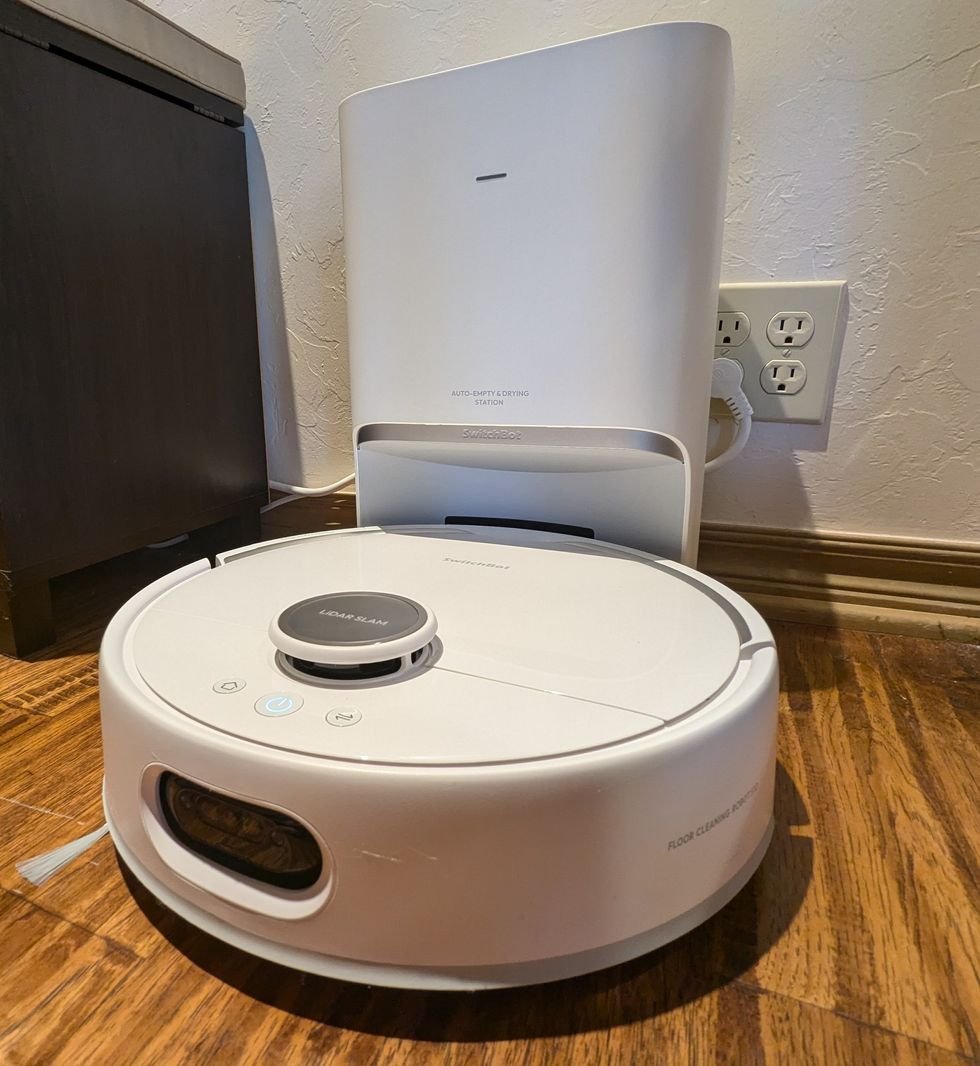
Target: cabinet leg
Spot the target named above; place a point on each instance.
(26, 621)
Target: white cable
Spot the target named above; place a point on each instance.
(299, 492)
(296, 492)
(726, 385)
(179, 539)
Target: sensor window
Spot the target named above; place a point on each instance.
(260, 843)
(351, 672)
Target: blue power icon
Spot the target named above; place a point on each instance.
(276, 704)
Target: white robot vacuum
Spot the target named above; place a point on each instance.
(502, 733)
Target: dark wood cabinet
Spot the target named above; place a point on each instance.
(130, 403)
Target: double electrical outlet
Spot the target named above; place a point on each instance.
(761, 324)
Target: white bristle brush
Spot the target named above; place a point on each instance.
(40, 868)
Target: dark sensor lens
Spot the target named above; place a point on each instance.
(260, 843)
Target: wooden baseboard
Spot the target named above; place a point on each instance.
(858, 581)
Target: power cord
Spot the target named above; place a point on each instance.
(726, 385)
(299, 492)
(296, 492)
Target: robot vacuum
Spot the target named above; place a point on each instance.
(440, 757)
(503, 732)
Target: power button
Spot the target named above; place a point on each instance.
(277, 704)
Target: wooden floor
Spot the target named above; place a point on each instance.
(857, 941)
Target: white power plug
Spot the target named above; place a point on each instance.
(726, 385)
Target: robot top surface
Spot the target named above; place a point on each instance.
(531, 645)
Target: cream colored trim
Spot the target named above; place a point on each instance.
(861, 581)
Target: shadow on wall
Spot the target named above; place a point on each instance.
(746, 550)
(776, 454)
(722, 949)
(278, 392)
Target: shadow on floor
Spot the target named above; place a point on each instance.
(725, 947)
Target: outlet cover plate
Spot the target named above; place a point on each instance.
(826, 302)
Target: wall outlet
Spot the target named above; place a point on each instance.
(733, 329)
(790, 327)
(787, 376)
(813, 315)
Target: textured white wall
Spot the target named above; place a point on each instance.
(856, 155)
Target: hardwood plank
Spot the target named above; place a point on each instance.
(92, 893)
(53, 973)
(51, 795)
(794, 1032)
(170, 1010)
(889, 931)
(31, 693)
(34, 688)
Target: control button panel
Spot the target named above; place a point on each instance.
(277, 704)
(229, 684)
(343, 716)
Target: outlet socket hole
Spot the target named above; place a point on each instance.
(789, 340)
(781, 387)
(726, 340)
